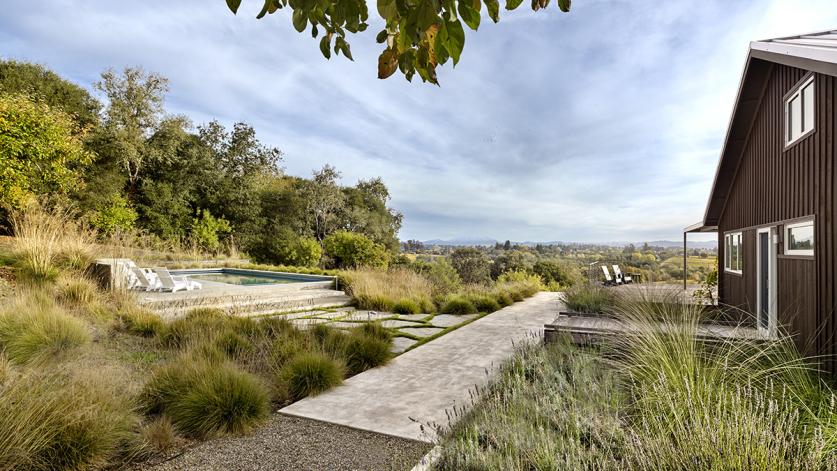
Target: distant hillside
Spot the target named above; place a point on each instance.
(460, 242)
(711, 244)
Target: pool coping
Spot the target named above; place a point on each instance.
(301, 277)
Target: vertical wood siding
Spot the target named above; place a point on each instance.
(772, 185)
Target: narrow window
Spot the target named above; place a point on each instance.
(799, 111)
(799, 238)
(732, 252)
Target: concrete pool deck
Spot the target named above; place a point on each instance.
(413, 392)
(245, 299)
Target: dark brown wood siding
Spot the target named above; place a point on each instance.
(773, 185)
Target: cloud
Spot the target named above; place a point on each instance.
(602, 124)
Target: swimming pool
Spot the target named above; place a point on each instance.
(242, 277)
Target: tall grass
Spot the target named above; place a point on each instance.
(383, 290)
(590, 298)
(658, 398)
(47, 240)
(32, 328)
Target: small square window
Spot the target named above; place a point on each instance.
(799, 238)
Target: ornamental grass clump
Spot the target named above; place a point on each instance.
(366, 348)
(33, 329)
(590, 299)
(204, 398)
(308, 374)
(457, 304)
(382, 290)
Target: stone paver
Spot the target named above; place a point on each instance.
(448, 320)
(399, 344)
(329, 315)
(397, 323)
(413, 317)
(345, 325)
(368, 315)
(418, 386)
(422, 331)
(307, 322)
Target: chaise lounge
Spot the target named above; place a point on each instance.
(172, 283)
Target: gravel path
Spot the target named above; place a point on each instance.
(290, 443)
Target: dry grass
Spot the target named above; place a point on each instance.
(382, 290)
(47, 240)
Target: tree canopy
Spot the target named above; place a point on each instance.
(418, 37)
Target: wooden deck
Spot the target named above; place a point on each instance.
(595, 329)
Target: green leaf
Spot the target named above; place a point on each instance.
(346, 50)
(382, 36)
(387, 63)
(300, 20)
(512, 4)
(388, 10)
(233, 5)
(493, 7)
(426, 15)
(325, 46)
(314, 31)
(564, 5)
(454, 39)
(269, 7)
(469, 15)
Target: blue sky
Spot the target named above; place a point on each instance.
(603, 124)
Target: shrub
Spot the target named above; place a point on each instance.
(206, 229)
(198, 324)
(42, 151)
(115, 217)
(406, 306)
(366, 349)
(158, 435)
(442, 276)
(484, 303)
(353, 250)
(32, 329)
(309, 374)
(205, 399)
(557, 273)
(224, 400)
(141, 322)
(78, 291)
(590, 298)
(472, 265)
(374, 330)
(285, 247)
(457, 304)
(52, 422)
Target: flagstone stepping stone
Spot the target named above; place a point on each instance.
(329, 315)
(413, 317)
(422, 331)
(308, 322)
(397, 323)
(345, 325)
(449, 320)
(368, 316)
(399, 344)
(297, 315)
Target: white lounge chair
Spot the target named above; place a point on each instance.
(144, 279)
(619, 276)
(169, 282)
(609, 279)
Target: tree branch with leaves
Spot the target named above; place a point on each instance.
(419, 34)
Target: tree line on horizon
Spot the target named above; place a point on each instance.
(127, 165)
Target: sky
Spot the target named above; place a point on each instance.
(604, 124)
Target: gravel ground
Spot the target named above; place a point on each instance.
(290, 443)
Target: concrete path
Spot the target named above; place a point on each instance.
(419, 386)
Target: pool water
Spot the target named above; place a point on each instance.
(242, 280)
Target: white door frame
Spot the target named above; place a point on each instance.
(772, 305)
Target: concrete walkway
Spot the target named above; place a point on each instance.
(417, 387)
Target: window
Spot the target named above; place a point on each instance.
(799, 112)
(732, 252)
(799, 238)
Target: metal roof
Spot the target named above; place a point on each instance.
(813, 51)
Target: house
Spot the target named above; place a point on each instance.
(772, 203)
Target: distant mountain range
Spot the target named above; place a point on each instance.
(710, 244)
